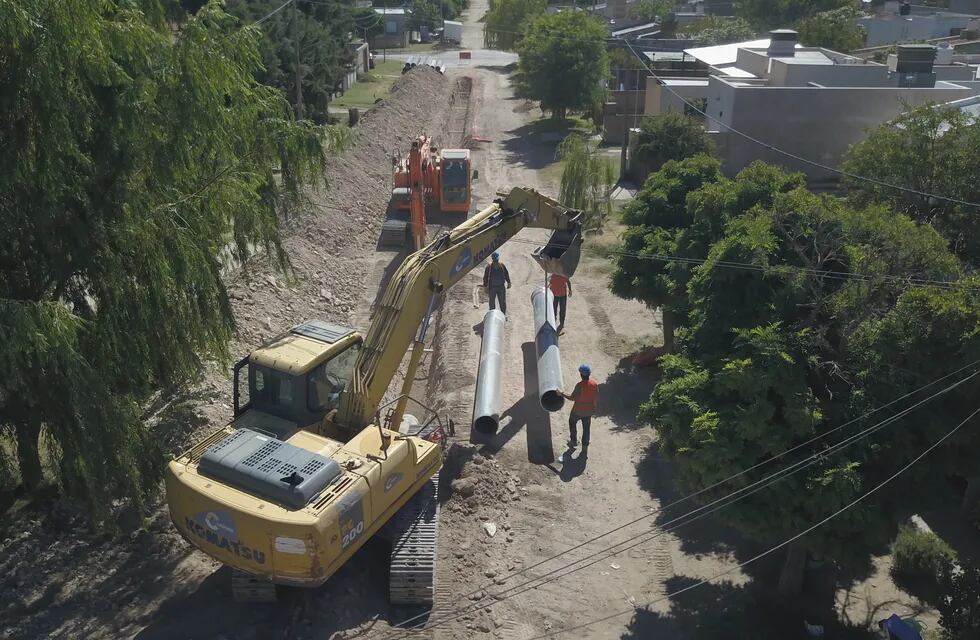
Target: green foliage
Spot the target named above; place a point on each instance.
(563, 58)
(506, 21)
(650, 10)
(713, 30)
(932, 150)
(587, 179)
(837, 30)
(959, 609)
(670, 136)
(921, 554)
(324, 56)
(775, 351)
(138, 164)
(768, 14)
(425, 13)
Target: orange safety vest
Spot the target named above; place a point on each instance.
(585, 393)
(558, 285)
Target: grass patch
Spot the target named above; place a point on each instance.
(372, 86)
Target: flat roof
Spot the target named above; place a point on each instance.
(390, 12)
(734, 72)
(685, 82)
(726, 53)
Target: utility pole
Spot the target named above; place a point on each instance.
(299, 84)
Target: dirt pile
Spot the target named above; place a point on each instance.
(475, 522)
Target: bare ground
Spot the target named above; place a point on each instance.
(537, 498)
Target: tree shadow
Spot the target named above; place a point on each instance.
(526, 412)
(724, 611)
(630, 386)
(529, 149)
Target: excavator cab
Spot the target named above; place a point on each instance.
(295, 379)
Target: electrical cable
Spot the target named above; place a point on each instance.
(773, 549)
(794, 156)
(830, 274)
(732, 477)
(671, 525)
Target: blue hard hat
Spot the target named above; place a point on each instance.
(495, 255)
(584, 370)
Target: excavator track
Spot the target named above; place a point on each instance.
(247, 588)
(415, 532)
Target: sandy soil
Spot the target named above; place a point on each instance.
(540, 498)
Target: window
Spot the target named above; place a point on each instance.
(326, 382)
(454, 181)
(391, 26)
(271, 389)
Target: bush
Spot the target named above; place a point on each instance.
(919, 554)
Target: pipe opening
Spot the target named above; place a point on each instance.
(486, 424)
(552, 401)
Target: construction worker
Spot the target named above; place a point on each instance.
(585, 395)
(561, 290)
(495, 277)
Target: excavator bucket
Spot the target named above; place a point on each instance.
(561, 254)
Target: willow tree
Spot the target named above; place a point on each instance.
(137, 159)
(587, 179)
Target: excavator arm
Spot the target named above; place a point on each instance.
(404, 312)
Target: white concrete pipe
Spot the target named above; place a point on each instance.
(486, 404)
(546, 346)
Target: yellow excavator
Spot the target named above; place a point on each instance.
(309, 469)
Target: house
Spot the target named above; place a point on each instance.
(396, 31)
(808, 101)
(900, 23)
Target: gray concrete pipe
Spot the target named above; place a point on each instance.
(486, 405)
(546, 346)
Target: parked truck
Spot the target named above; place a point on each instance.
(452, 31)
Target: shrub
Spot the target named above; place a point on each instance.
(917, 553)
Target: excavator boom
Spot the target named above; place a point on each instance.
(415, 288)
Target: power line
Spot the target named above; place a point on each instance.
(735, 476)
(771, 550)
(794, 156)
(675, 523)
(830, 274)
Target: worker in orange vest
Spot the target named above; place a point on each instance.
(584, 396)
(561, 290)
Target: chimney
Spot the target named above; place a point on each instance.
(782, 43)
(914, 65)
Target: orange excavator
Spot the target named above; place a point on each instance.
(429, 177)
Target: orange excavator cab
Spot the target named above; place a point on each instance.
(430, 177)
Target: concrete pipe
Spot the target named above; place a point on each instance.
(546, 345)
(486, 405)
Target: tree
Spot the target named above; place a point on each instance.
(959, 608)
(783, 13)
(587, 179)
(425, 13)
(669, 136)
(324, 57)
(714, 30)
(771, 354)
(506, 21)
(651, 10)
(136, 160)
(837, 30)
(563, 58)
(929, 150)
